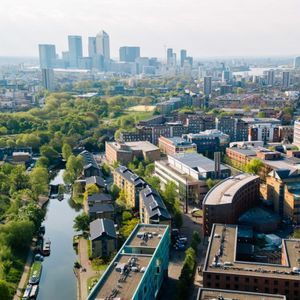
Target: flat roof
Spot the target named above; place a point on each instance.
(178, 141)
(197, 162)
(142, 145)
(290, 252)
(224, 192)
(213, 294)
(134, 256)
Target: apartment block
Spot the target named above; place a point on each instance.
(226, 201)
(130, 183)
(126, 152)
(139, 268)
(223, 270)
(175, 145)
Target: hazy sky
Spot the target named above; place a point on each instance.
(203, 27)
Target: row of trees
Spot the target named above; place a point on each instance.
(21, 217)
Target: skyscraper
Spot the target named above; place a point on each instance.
(297, 62)
(47, 56)
(285, 79)
(226, 75)
(271, 77)
(183, 56)
(102, 46)
(75, 50)
(129, 54)
(169, 56)
(207, 88)
(92, 46)
(48, 79)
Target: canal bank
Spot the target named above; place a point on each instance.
(58, 280)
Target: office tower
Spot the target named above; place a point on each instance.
(183, 57)
(226, 75)
(271, 77)
(47, 55)
(297, 62)
(92, 46)
(169, 56)
(75, 50)
(129, 54)
(207, 88)
(174, 60)
(285, 79)
(102, 45)
(48, 79)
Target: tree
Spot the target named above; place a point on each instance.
(19, 179)
(4, 290)
(140, 170)
(261, 114)
(178, 219)
(149, 170)
(66, 151)
(42, 162)
(39, 181)
(254, 166)
(82, 222)
(49, 152)
(210, 183)
(18, 234)
(154, 181)
(126, 216)
(170, 193)
(32, 212)
(114, 191)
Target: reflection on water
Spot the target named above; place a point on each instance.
(58, 280)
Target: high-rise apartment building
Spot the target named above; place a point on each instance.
(183, 57)
(270, 77)
(129, 54)
(297, 62)
(169, 56)
(207, 88)
(47, 56)
(48, 79)
(103, 48)
(75, 50)
(285, 79)
(92, 46)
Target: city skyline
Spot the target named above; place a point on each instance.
(205, 29)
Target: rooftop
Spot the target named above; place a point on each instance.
(224, 192)
(222, 248)
(197, 162)
(178, 141)
(95, 180)
(101, 208)
(130, 176)
(88, 160)
(144, 146)
(102, 227)
(99, 197)
(214, 294)
(124, 274)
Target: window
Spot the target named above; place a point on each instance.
(236, 278)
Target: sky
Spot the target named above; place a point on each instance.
(206, 28)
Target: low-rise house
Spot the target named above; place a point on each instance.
(99, 198)
(103, 237)
(152, 208)
(97, 180)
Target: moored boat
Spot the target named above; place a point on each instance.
(27, 292)
(46, 248)
(36, 272)
(34, 292)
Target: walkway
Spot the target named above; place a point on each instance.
(25, 275)
(86, 264)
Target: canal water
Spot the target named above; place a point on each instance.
(58, 281)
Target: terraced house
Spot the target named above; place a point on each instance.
(130, 183)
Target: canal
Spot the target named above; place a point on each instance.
(58, 280)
